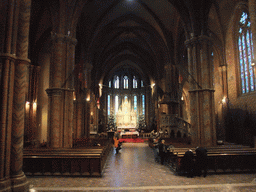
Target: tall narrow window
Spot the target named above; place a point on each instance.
(143, 104)
(126, 81)
(142, 84)
(108, 104)
(116, 104)
(135, 103)
(109, 84)
(116, 82)
(245, 46)
(135, 82)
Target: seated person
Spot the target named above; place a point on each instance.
(201, 161)
(188, 163)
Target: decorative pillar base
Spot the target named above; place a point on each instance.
(20, 183)
(15, 184)
(5, 185)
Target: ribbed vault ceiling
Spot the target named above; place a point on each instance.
(146, 34)
(141, 32)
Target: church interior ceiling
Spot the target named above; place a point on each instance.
(145, 34)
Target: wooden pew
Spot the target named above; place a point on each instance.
(224, 159)
(79, 161)
(60, 164)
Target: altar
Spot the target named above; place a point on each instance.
(126, 117)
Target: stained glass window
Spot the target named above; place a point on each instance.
(126, 82)
(135, 103)
(116, 104)
(245, 48)
(135, 82)
(143, 104)
(108, 104)
(116, 82)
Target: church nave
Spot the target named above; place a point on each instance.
(134, 169)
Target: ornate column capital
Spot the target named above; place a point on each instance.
(8, 56)
(57, 37)
(198, 40)
(16, 59)
(25, 61)
(204, 38)
(57, 91)
(201, 90)
(191, 42)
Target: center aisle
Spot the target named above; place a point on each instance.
(135, 166)
(134, 169)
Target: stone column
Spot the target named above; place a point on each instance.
(69, 89)
(6, 119)
(224, 103)
(201, 91)
(87, 115)
(55, 92)
(87, 67)
(20, 88)
(19, 182)
(78, 116)
(61, 90)
(7, 61)
(252, 13)
(54, 114)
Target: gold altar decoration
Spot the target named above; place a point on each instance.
(126, 117)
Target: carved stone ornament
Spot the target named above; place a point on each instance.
(57, 91)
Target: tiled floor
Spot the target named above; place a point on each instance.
(134, 169)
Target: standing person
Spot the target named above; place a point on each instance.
(188, 163)
(161, 133)
(162, 151)
(155, 149)
(201, 161)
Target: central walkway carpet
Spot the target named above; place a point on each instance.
(134, 169)
(132, 140)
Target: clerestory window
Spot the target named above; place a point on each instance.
(135, 84)
(116, 82)
(245, 48)
(126, 82)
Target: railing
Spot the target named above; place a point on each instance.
(145, 135)
(171, 122)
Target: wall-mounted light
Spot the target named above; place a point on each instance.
(182, 98)
(74, 96)
(91, 113)
(34, 106)
(27, 105)
(224, 100)
(253, 64)
(100, 89)
(152, 85)
(88, 98)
